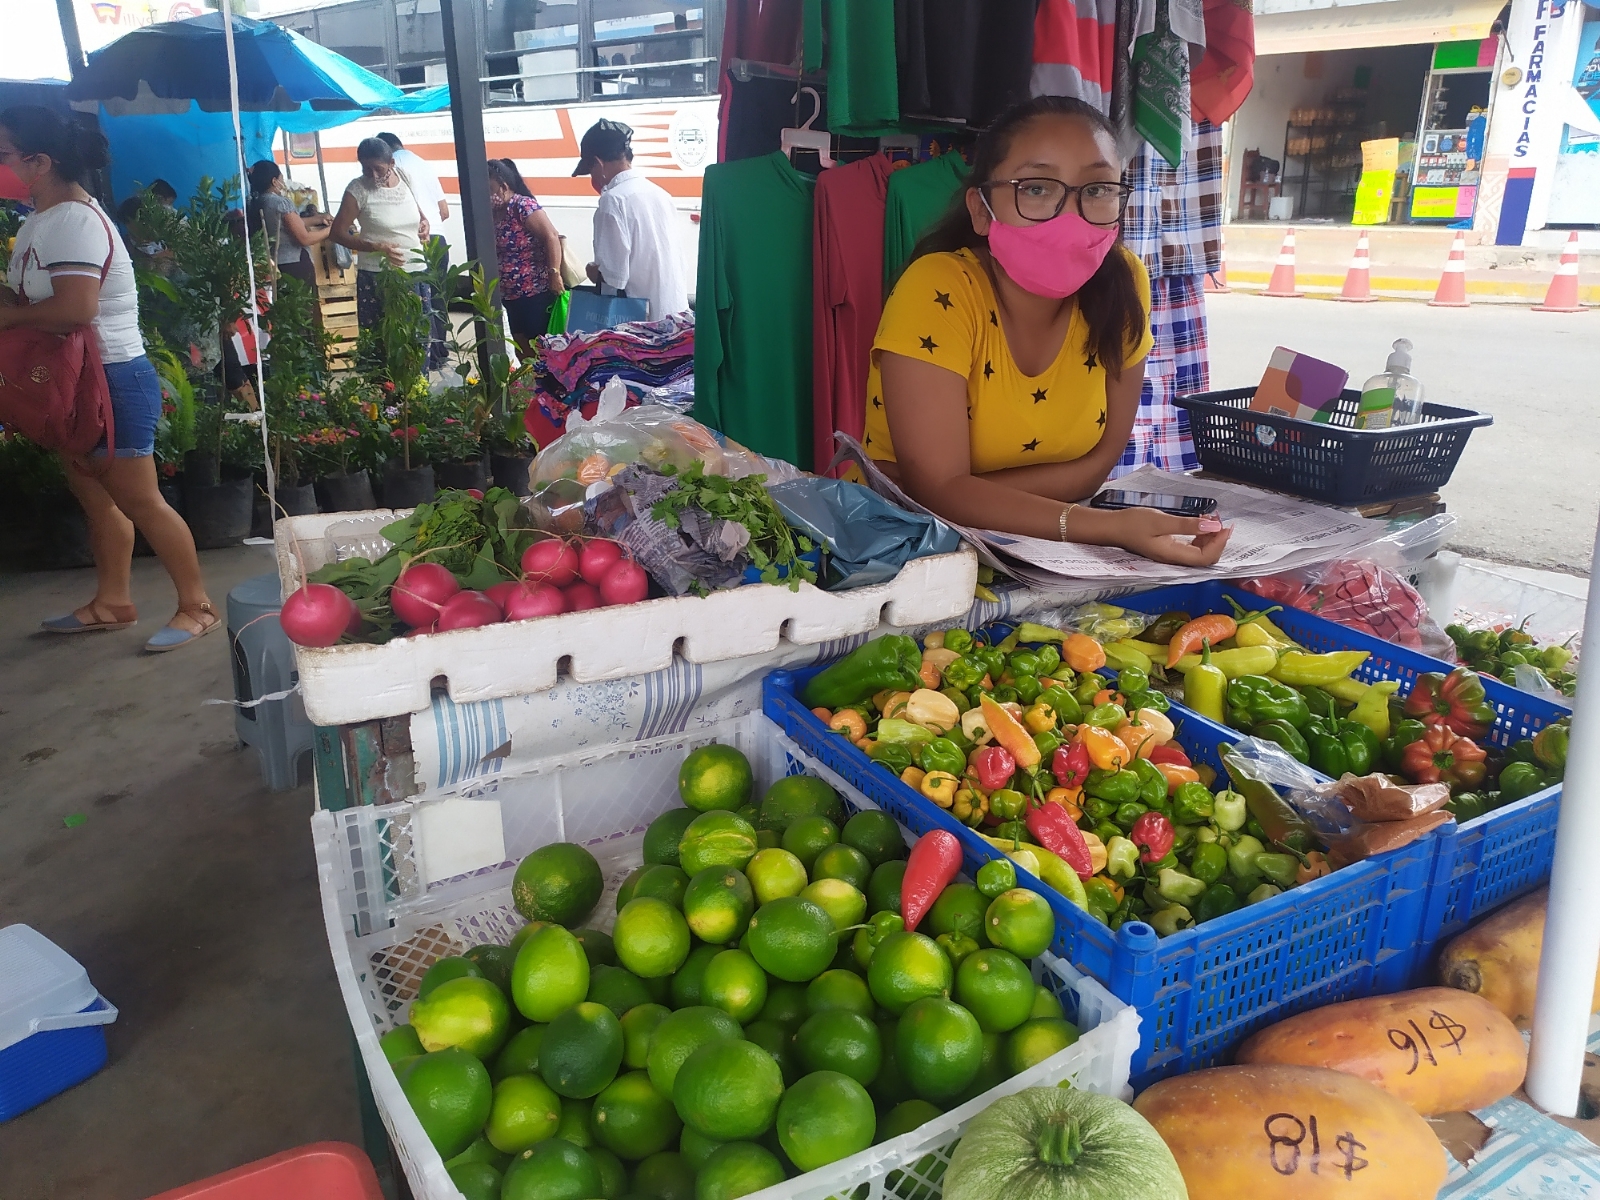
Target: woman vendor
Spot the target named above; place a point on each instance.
(1007, 366)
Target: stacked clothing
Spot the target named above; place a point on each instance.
(572, 368)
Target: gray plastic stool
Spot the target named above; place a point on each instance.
(263, 663)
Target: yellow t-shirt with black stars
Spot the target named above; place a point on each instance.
(943, 311)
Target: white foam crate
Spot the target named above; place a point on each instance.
(385, 926)
(342, 685)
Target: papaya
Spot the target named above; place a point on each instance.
(1498, 958)
(1276, 1132)
(1437, 1049)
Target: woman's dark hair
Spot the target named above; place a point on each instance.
(374, 150)
(75, 149)
(504, 171)
(1110, 299)
(262, 175)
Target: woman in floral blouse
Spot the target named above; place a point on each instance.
(529, 249)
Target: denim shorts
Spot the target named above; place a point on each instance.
(135, 406)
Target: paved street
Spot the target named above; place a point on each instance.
(1527, 490)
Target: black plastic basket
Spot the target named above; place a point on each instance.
(1333, 462)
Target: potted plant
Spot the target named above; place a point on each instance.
(340, 448)
(294, 405)
(511, 447)
(45, 525)
(397, 348)
(175, 430)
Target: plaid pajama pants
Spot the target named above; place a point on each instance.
(1177, 365)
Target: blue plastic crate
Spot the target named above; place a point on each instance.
(1202, 991)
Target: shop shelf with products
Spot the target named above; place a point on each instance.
(1325, 142)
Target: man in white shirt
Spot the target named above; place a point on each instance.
(635, 226)
(430, 193)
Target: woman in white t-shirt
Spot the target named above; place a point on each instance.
(69, 269)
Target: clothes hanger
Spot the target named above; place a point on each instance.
(805, 137)
(900, 147)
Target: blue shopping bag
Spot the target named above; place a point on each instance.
(589, 310)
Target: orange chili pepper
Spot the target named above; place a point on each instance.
(1108, 696)
(1070, 799)
(1177, 776)
(1136, 737)
(1214, 628)
(1082, 653)
(1106, 750)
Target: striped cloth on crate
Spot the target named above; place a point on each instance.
(1178, 364)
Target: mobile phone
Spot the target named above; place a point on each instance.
(1177, 506)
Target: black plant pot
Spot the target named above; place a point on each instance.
(404, 488)
(297, 500)
(346, 493)
(221, 515)
(511, 471)
(199, 469)
(65, 530)
(470, 473)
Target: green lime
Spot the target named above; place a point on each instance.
(475, 1180)
(574, 1124)
(495, 962)
(665, 1175)
(749, 812)
(839, 990)
(728, 1090)
(560, 882)
(696, 1148)
(906, 967)
(797, 796)
(883, 889)
(839, 861)
(793, 939)
(906, 1116)
(523, 934)
(553, 1170)
(959, 909)
(775, 873)
(736, 984)
(768, 839)
(890, 1087)
(840, 900)
(1045, 1004)
(686, 980)
(664, 882)
(551, 974)
(778, 1041)
(613, 1175)
(1020, 921)
(715, 777)
(807, 837)
(651, 937)
(660, 989)
(996, 877)
(840, 1041)
(468, 1011)
(718, 905)
(450, 1092)
(520, 1055)
(823, 1118)
(451, 966)
(876, 834)
(680, 1035)
(956, 947)
(717, 839)
(638, 1025)
(582, 1050)
(632, 1119)
(1036, 1040)
(737, 1169)
(939, 1048)
(787, 1004)
(480, 1151)
(665, 832)
(401, 1042)
(617, 988)
(997, 988)
(524, 1111)
(991, 1069)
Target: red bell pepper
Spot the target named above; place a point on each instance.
(1171, 753)
(1070, 765)
(1153, 832)
(1059, 834)
(995, 767)
(1441, 756)
(1455, 701)
(932, 866)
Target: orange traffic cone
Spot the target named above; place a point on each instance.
(1282, 282)
(1563, 293)
(1217, 281)
(1452, 292)
(1358, 279)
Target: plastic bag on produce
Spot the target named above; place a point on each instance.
(1358, 594)
(1104, 622)
(1532, 680)
(868, 539)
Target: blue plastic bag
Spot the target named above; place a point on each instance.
(868, 539)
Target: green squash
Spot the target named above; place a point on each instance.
(1062, 1144)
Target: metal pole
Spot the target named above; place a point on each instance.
(328, 206)
(69, 36)
(1572, 917)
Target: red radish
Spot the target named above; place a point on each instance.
(419, 595)
(475, 493)
(625, 583)
(581, 596)
(317, 615)
(468, 610)
(551, 561)
(501, 592)
(596, 558)
(353, 629)
(420, 630)
(534, 600)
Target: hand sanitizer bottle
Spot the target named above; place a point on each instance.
(1393, 397)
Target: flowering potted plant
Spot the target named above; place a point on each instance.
(340, 449)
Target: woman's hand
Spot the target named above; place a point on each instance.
(1162, 537)
(397, 256)
(424, 230)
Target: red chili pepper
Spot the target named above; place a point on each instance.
(1070, 765)
(1060, 835)
(995, 767)
(1171, 753)
(934, 863)
(1153, 831)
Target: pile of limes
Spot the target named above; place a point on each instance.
(758, 1010)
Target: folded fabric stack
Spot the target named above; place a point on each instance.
(572, 368)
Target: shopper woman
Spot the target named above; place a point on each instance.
(529, 250)
(1008, 363)
(69, 269)
(291, 234)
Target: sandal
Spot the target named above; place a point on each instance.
(122, 616)
(170, 637)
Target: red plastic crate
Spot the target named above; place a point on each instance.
(320, 1171)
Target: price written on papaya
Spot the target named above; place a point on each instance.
(1448, 1033)
(1287, 1138)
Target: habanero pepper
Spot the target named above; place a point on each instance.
(1209, 864)
(1103, 896)
(1059, 834)
(1152, 833)
(1191, 804)
(1064, 704)
(994, 767)
(1127, 814)
(941, 754)
(1171, 753)
(1456, 701)
(892, 756)
(1106, 716)
(1070, 765)
(1156, 701)
(1048, 743)
(964, 674)
(1442, 756)
(1006, 804)
(1027, 688)
(1088, 685)
(1153, 784)
(1114, 786)
(1022, 662)
(1218, 901)
(931, 867)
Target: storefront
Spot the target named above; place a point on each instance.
(1452, 129)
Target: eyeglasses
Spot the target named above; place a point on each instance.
(1042, 199)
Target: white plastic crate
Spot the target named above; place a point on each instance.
(386, 924)
(342, 685)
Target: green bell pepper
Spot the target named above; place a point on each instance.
(1520, 780)
(1263, 699)
(1067, 709)
(1521, 751)
(1230, 811)
(1007, 804)
(1285, 735)
(1028, 689)
(892, 756)
(1209, 863)
(1278, 868)
(996, 877)
(1467, 805)
(1088, 687)
(1242, 857)
(1170, 919)
(890, 663)
(1178, 888)
(1122, 858)
(1153, 785)
(1127, 814)
(1153, 700)
(1192, 803)
(1550, 748)
(1326, 753)
(1022, 662)
(1131, 681)
(1114, 787)
(964, 674)
(1320, 703)
(1109, 717)
(1010, 831)
(1218, 901)
(942, 754)
(1361, 746)
(898, 731)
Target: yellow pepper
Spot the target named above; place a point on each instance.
(932, 710)
(1106, 750)
(1008, 732)
(1120, 656)
(1241, 660)
(1372, 710)
(1070, 799)
(969, 807)
(1350, 691)
(940, 787)
(1316, 670)
(913, 776)
(1150, 650)
(1041, 718)
(1097, 851)
(1262, 632)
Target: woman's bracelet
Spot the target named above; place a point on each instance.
(1061, 525)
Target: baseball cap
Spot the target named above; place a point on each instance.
(604, 141)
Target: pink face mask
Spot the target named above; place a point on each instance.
(1053, 258)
